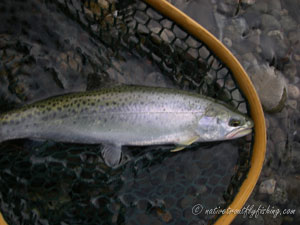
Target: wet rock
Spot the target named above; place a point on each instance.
(248, 2)
(292, 104)
(227, 41)
(267, 46)
(271, 87)
(201, 11)
(271, 219)
(296, 157)
(278, 135)
(276, 33)
(290, 70)
(287, 23)
(254, 37)
(259, 220)
(293, 91)
(261, 6)
(274, 5)
(253, 18)
(241, 26)
(279, 196)
(269, 22)
(294, 36)
(228, 9)
(249, 60)
(267, 186)
(293, 184)
(297, 57)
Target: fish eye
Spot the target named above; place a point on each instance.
(234, 122)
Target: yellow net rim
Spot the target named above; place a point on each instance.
(246, 86)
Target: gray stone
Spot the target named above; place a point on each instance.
(249, 61)
(227, 41)
(248, 2)
(267, 45)
(267, 186)
(290, 70)
(297, 57)
(292, 104)
(259, 220)
(276, 33)
(226, 9)
(279, 196)
(269, 22)
(241, 26)
(261, 6)
(271, 219)
(253, 18)
(287, 23)
(271, 87)
(201, 11)
(254, 36)
(293, 91)
(274, 5)
(294, 36)
(278, 135)
(293, 184)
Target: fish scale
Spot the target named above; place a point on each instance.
(124, 115)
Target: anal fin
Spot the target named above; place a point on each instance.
(185, 144)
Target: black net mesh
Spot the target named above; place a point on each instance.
(59, 46)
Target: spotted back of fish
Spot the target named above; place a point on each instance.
(74, 117)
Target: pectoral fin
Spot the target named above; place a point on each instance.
(112, 155)
(185, 144)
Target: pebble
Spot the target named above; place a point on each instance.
(292, 103)
(248, 2)
(279, 196)
(271, 87)
(227, 42)
(226, 9)
(261, 6)
(269, 22)
(241, 26)
(267, 186)
(273, 5)
(254, 36)
(253, 19)
(271, 219)
(297, 57)
(293, 91)
(294, 36)
(278, 135)
(288, 23)
(276, 33)
(259, 220)
(290, 70)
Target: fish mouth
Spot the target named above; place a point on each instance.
(240, 132)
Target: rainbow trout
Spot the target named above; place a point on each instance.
(126, 115)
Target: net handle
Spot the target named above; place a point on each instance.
(246, 86)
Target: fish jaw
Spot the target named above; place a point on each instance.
(237, 133)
